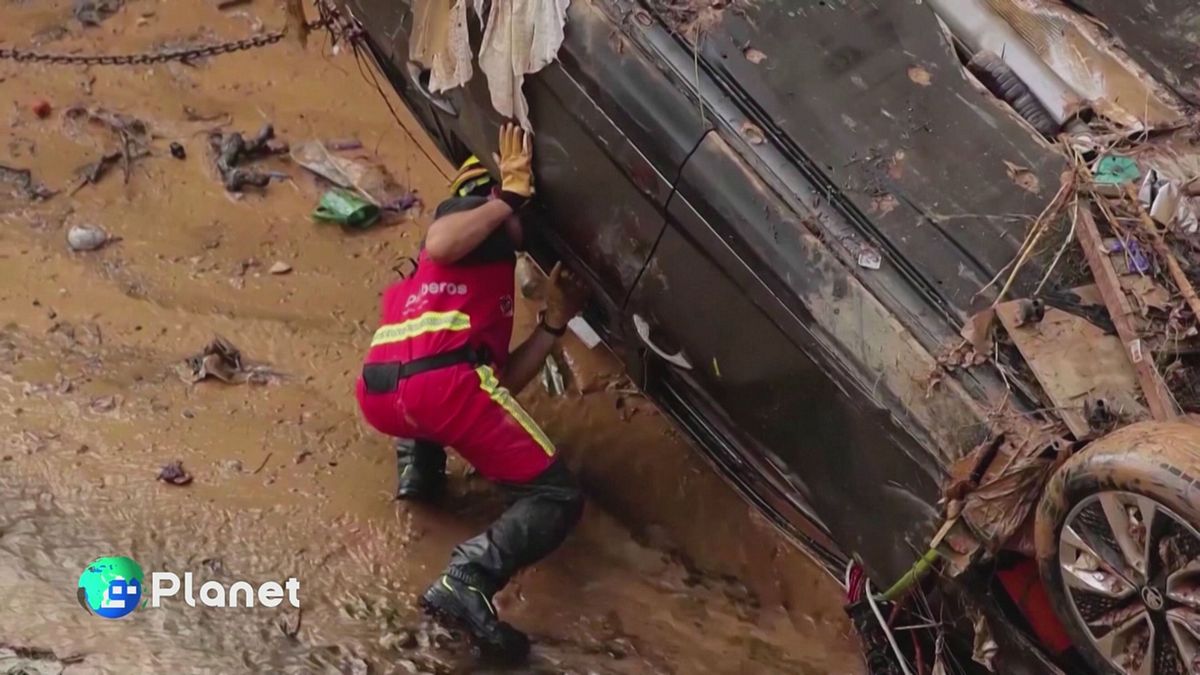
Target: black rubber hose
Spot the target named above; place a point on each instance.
(995, 74)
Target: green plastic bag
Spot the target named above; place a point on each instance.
(1116, 170)
(346, 208)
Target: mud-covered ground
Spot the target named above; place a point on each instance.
(669, 571)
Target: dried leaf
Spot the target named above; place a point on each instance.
(978, 331)
(1023, 178)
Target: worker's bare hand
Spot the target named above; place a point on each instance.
(516, 160)
(565, 296)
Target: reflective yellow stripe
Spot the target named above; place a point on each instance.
(489, 383)
(428, 322)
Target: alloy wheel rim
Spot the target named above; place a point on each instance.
(1131, 571)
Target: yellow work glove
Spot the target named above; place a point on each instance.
(516, 165)
(565, 297)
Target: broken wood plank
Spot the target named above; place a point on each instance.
(1075, 362)
(1158, 398)
(1160, 247)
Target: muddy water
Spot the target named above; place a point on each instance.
(288, 481)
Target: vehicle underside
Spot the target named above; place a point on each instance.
(918, 276)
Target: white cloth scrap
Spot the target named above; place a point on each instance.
(521, 37)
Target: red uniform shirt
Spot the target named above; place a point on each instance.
(443, 307)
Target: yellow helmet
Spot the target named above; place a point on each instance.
(472, 174)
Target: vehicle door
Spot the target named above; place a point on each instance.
(733, 346)
(612, 130)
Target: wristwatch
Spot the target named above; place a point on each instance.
(556, 332)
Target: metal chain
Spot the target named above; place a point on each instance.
(150, 58)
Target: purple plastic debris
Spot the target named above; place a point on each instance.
(403, 202)
(1136, 258)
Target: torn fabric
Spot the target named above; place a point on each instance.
(522, 37)
(440, 42)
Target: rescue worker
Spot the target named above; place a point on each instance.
(439, 373)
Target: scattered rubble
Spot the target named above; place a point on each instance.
(370, 180)
(90, 174)
(94, 12)
(1123, 348)
(174, 474)
(223, 361)
(132, 134)
(21, 184)
(233, 150)
(104, 404)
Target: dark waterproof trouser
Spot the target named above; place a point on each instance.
(540, 514)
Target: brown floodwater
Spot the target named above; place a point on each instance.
(669, 572)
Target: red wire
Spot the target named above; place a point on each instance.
(854, 589)
(920, 656)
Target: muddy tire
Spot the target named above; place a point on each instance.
(1118, 544)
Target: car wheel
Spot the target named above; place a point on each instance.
(1118, 542)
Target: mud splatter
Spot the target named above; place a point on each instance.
(1023, 178)
(920, 76)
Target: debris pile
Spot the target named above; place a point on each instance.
(1095, 322)
(220, 359)
(1109, 336)
(131, 134)
(372, 185)
(233, 151)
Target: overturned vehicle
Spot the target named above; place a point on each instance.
(918, 276)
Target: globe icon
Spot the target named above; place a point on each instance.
(111, 586)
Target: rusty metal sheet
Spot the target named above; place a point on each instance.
(1164, 36)
(1075, 361)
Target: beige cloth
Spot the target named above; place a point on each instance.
(521, 37)
(440, 42)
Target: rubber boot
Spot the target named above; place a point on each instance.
(422, 469)
(458, 604)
